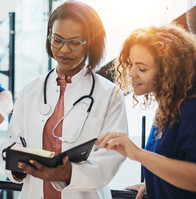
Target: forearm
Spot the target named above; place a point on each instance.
(6, 102)
(181, 174)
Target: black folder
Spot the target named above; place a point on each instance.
(76, 154)
(123, 194)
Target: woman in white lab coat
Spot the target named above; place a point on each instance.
(75, 40)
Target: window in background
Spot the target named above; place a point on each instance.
(31, 26)
(31, 59)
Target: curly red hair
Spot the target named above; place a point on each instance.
(174, 51)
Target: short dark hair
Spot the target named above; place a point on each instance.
(85, 14)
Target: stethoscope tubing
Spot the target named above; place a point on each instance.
(76, 102)
(45, 85)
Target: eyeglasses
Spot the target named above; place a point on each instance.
(73, 44)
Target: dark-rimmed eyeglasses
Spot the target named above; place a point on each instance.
(73, 44)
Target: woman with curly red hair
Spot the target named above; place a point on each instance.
(160, 63)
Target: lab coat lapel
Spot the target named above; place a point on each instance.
(52, 92)
(76, 89)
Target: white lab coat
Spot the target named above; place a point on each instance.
(90, 178)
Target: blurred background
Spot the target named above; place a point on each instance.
(23, 25)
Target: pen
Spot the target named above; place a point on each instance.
(24, 144)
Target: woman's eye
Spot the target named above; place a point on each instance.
(142, 69)
(56, 39)
(74, 42)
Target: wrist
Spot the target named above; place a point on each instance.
(136, 153)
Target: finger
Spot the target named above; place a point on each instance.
(64, 164)
(114, 143)
(100, 139)
(22, 165)
(26, 168)
(107, 139)
(65, 160)
(133, 187)
(36, 164)
(139, 195)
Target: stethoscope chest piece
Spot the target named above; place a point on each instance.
(45, 109)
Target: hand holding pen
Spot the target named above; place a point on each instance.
(18, 175)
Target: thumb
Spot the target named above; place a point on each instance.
(65, 159)
(140, 194)
(133, 187)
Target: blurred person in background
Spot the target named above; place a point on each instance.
(6, 103)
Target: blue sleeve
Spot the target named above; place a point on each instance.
(1, 88)
(187, 132)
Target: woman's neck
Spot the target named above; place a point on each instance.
(71, 72)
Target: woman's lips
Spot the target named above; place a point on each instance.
(136, 84)
(65, 60)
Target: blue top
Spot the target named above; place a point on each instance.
(1, 88)
(178, 142)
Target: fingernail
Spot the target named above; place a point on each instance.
(19, 165)
(31, 161)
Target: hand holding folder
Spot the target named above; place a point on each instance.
(14, 154)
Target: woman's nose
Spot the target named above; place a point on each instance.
(65, 47)
(132, 72)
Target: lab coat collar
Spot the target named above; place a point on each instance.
(77, 77)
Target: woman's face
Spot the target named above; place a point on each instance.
(142, 70)
(69, 62)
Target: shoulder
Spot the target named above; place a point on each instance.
(105, 85)
(107, 89)
(189, 107)
(34, 83)
(32, 87)
(103, 81)
(188, 117)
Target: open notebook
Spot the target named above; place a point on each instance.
(15, 153)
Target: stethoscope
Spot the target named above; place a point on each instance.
(46, 108)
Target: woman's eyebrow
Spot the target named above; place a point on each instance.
(75, 37)
(141, 63)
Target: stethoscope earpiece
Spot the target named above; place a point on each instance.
(45, 109)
